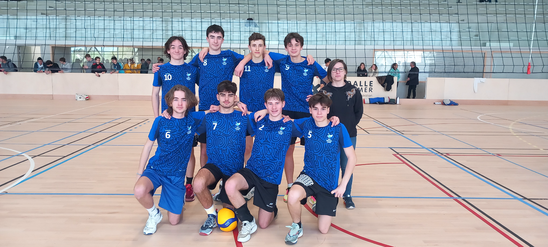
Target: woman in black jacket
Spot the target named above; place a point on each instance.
(348, 106)
(362, 71)
(412, 80)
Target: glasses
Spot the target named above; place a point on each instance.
(338, 69)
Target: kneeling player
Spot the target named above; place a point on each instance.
(321, 172)
(167, 167)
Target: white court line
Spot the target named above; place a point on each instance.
(31, 120)
(31, 167)
(508, 127)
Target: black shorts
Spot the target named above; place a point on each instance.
(202, 138)
(218, 175)
(326, 203)
(296, 115)
(195, 142)
(266, 194)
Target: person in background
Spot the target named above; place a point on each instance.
(149, 62)
(373, 71)
(98, 67)
(39, 66)
(361, 71)
(412, 80)
(326, 61)
(115, 66)
(87, 64)
(65, 67)
(52, 67)
(393, 73)
(143, 66)
(7, 65)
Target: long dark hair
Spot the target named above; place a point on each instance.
(191, 100)
(394, 65)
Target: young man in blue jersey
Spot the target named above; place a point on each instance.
(320, 174)
(168, 166)
(297, 83)
(226, 132)
(176, 72)
(264, 168)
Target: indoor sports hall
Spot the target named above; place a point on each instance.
(429, 172)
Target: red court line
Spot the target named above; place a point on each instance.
(387, 163)
(235, 232)
(348, 232)
(459, 202)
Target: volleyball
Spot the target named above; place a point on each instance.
(226, 220)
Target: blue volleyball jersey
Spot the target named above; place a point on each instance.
(170, 75)
(226, 140)
(321, 151)
(271, 143)
(297, 81)
(255, 80)
(213, 70)
(175, 138)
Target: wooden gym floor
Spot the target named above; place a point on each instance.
(426, 176)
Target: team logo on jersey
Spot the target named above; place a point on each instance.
(281, 131)
(286, 67)
(305, 72)
(237, 126)
(329, 136)
(265, 68)
(224, 60)
(189, 130)
(205, 62)
(188, 76)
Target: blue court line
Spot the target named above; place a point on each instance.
(494, 155)
(469, 172)
(40, 130)
(94, 147)
(63, 131)
(43, 145)
(65, 144)
(361, 197)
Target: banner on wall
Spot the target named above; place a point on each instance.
(370, 88)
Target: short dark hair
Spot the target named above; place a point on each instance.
(191, 100)
(161, 60)
(113, 58)
(62, 60)
(39, 59)
(87, 55)
(295, 36)
(320, 98)
(168, 44)
(149, 60)
(97, 58)
(257, 36)
(330, 68)
(227, 86)
(49, 62)
(215, 29)
(327, 60)
(414, 64)
(275, 93)
(4, 58)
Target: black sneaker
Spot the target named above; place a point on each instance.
(348, 203)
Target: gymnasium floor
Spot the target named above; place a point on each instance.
(427, 176)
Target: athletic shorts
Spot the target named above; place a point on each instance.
(218, 175)
(202, 138)
(266, 194)
(326, 203)
(173, 190)
(296, 115)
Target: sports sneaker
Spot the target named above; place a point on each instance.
(250, 194)
(286, 192)
(189, 195)
(348, 203)
(152, 222)
(294, 234)
(209, 225)
(247, 229)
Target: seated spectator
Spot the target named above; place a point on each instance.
(144, 66)
(65, 67)
(7, 65)
(98, 67)
(52, 67)
(362, 71)
(87, 64)
(373, 71)
(39, 66)
(135, 67)
(115, 67)
(161, 61)
(149, 67)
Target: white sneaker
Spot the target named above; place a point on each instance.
(250, 194)
(152, 221)
(247, 229)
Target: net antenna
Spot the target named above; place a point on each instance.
(532, 39)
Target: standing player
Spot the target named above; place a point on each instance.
(168, 165)
(297, 83)
(226, 132)
(320, 174)
(176, 72)
(348, 106)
